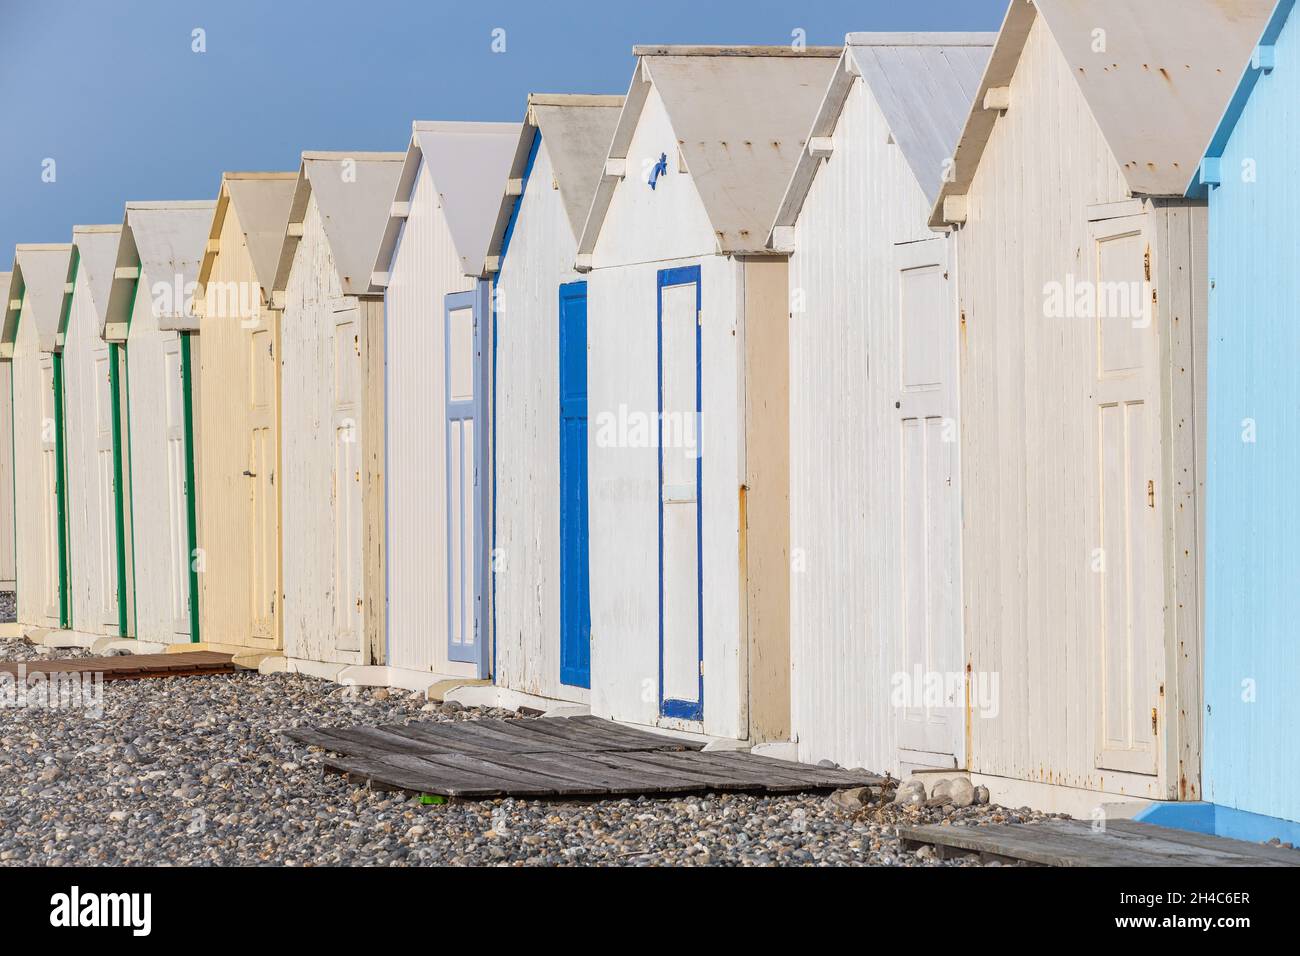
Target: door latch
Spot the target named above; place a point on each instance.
(249, 474)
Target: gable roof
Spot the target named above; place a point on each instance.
(261, 202)
(95, 252)
(353, 212)
(923, 84)
(1240, 97)
(740, 115)
(1155, 93)
(165, 242)
(37, 287)
(468, 163)
(576, 128)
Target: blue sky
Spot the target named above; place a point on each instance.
(113, 93)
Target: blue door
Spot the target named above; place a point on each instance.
(681, 565)
(466, 437)
(575, 581)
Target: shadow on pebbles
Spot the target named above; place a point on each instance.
(192, 771)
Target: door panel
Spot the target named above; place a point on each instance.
(681, 596)
(575, 585)
(347, 483)
(262, 460)
(177, 507)
(50, 485)
(1129, 594)
(464, 315)
(926, 402)
(106, 535)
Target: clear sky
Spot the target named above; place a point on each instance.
(113, 92)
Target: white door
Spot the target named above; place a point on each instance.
(178, 541)
(346, 483)
(680, 595)
(1127, 563)
(50, 480)
(931, 725)
(105, 489)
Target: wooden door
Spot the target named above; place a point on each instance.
(931, 725)
(105, 487)
(51, 484)
(465, 314)
(1126, 476)
(681, 595)
(262, 463)
(575, 576)
(178, 539)
(346, 483)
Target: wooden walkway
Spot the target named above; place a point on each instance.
(129, 666)
(1076, 843)
(553, 757)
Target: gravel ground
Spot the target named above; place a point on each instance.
(8, 607)
(191, 771)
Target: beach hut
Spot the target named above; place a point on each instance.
(332, 408)
(1251, 774)
(687, 337)
(542, 606)
(7, 573)
(1082, 324)
(99, 550)
(148, 318)
(33, 314)
(437, 304)
(237, 437)
(875, 507)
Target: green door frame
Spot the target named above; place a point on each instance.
(119, 511)
(61, 459)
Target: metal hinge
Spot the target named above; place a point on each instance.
(1154, 721)
(1151, 494)
(701, 668)
(1146, 263)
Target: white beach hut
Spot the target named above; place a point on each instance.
(430, 268)
(541, 594)
(875, 522)
(149, 318)
(99, 550)
(332, 410)
(1082, 300)
(30, 343)
(687, 390)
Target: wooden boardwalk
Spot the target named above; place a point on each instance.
(554, 757)
(1076, 843)
(129, 666)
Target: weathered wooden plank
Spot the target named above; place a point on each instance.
(1192, 838)
(1076, 843)
(406, 772)
(588, 775)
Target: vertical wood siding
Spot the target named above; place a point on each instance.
(845, 465)
(1252, 712)
(232, 609)
(160, 534)
(325, 601)
(1030, 440)
(540, 258)
(88, 421)
(7, 543)
(33, 443)
(425, 269)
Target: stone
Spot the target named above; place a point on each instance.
(961, 792)
(981, 795)
(852, 799)
(941, 788)
(380, 694)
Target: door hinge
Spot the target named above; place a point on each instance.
(1154, 722)
(701, 668)
(699, 317)
(1151, 494)
(1146, 263)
